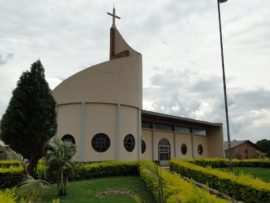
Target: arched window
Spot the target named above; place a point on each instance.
(143, 146)
(164, 150)
(68, 138)
(101, 142)
(184, 148)
(200, 149)
(129, 142)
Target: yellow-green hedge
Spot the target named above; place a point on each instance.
(9, 163)
(219, 163)
(241, 187)
(107, 168)
(9, 177)
(175, 189)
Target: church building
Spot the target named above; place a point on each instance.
(100, 111)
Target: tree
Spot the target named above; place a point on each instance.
(30, 118)
(264, 145)
(59, 160)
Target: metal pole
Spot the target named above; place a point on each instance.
(224, 87)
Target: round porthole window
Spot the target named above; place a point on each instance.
(129, 142)
(143, 146)
(183, 149)
(68, 138)
(200, 149)
(101, 142)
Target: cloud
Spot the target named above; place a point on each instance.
(4, 60)
(197, 96)
(179, 42)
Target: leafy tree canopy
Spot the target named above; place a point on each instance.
(30, 118)
(264, 145)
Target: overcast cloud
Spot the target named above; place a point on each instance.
(180, 45)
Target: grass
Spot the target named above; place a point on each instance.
(87, 190)
(261, 173)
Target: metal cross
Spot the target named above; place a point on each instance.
(113, 15)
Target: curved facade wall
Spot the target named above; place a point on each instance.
(105, 98)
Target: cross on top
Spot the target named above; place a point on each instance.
(113, 16)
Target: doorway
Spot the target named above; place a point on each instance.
(164, 150)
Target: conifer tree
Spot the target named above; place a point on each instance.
(30, 118)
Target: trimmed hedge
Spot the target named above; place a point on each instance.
(175, 189)
(243, 187)
(221, 163)
(9, 163)
(9, 177)
(104, 169)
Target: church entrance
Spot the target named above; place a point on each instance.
(164, 151)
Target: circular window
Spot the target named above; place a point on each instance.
(200, 149)
(143, 146)
(101, 142)
(184, 149)
(129, 142)
(68, 138)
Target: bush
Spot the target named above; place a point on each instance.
(243, 187)
(222, 163)
(8, 196)
(9, 163)
(9, 177)
(103, 169)
(174, 188)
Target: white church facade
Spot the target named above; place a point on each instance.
(100, 110)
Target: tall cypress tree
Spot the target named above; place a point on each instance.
(30, 119)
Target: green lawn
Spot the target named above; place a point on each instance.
(87, 190)
(262, 173)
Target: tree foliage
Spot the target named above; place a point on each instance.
(30, 119)
(59, 159)
(264, 145)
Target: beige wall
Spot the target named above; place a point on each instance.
(68, 122)
(197, 140)
(147, 137)
(215, 142)
(99, 118)
(122, 45)
(159, 134)
(129, 125)
(183, 139)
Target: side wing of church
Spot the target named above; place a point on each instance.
(100, 110)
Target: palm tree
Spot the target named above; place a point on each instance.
(59, 160)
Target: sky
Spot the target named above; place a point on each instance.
(179, 41)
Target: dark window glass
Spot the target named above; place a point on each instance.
(184, 149)
(200, 149)
(143, 146)
(199, 131)
(146, 125)
(129, 142)
(163, 127)
(68, 138)
(182, 130)
(164, 150)
(101, 142)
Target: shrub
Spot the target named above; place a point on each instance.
(8, 196)
(9, 163)
(175, 189)
(243, 187)
(9, 177)
(221, 163)
(103, 169)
